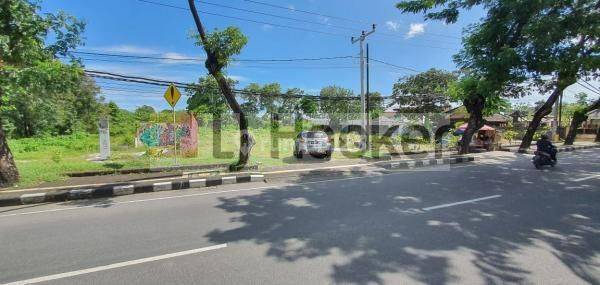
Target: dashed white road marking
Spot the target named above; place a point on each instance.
(116, 265)
(460, 203)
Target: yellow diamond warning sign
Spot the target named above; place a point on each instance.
(172, 95)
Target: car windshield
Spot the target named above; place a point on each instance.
(316, 135)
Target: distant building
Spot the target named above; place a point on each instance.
(460, 114)
(592, 124)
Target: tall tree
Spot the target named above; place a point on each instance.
(27, 60)
(339, 104)
(207, 99)
(562, 45)
(145, 113)
(549, 43)
(426, 92)
(376, 106)
(219, 47)
(579, 116)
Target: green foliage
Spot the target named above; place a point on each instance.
(469, 87)
(78, 142)
(39, 94)
(510, 135)
(426, 92)
(145, 114)
(206, 99)
(223, 44)
(308, 106)
(336, 104)
(122, 123)
(541, 131)
(376, 107)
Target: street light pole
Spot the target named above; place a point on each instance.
(363, 104)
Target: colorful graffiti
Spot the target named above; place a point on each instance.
(162, 135)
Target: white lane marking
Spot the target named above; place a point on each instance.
(586, 178)
(116, 265)
(103, 205)
(460, 203)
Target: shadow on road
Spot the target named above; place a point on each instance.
(378, 224)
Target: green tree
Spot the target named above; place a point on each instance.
(122, 122)
(339, 104)
(426, 92)
(549, 43)
(145, 113)
(206, 99)
(579, 116)
(220, 46)
(309, 106)
(376, 107)
(581, 98)
(27, 61)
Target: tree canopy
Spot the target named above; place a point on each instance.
(426, 92)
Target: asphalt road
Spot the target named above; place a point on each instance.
(495, 221)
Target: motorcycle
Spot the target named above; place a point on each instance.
(541, 159)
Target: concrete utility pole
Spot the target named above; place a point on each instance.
(363, 100)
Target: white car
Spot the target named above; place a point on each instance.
(315, 143)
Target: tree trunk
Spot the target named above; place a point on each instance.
(578, 118)
(475, 108)
(542, 112)
(214, 68)
(9, 174)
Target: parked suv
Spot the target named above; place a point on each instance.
(314, 143)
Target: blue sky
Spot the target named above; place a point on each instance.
(139, 28)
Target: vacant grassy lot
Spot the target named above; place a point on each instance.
(48, 159)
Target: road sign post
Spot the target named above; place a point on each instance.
(172, 95)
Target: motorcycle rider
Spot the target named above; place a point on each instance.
(545, 145)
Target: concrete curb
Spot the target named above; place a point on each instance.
(564, 148)
(417, 163)
(127, 189)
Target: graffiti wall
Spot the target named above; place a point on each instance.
(162, 135)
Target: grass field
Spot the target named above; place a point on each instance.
(49, 159)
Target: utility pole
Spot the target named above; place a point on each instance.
(554, 130)
(560, 128)
(368, 128)
(361, 40)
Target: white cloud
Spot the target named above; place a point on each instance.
(393, 25)
(180, 58)
(127, 49)
(324, 20)
(266, 27)
(416, 29)
(291, 6)
(238, 78)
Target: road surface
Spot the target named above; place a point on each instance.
(494, 221)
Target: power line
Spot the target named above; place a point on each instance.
(592, 86)
(165, 83)
(243, 60)
(274, 24)
(305, 12)
(396, 66)
(590, 89)
(244, 19)
(202, 60)
(276, 16)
